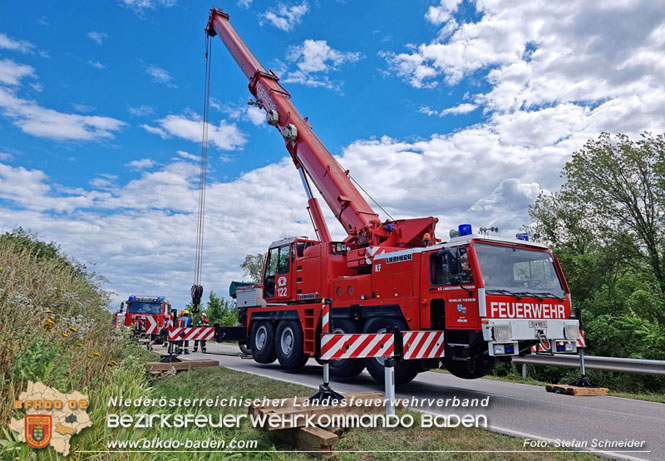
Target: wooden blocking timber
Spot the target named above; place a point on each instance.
(296, 420)
(315, 440)
(575, 390)
(301, 410)
(158, 367)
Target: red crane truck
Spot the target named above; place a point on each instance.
(494, 298)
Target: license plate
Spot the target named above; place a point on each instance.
(537, 324)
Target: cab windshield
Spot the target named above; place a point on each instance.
(517, 271)
(145, 308)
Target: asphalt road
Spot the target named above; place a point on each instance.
(521, 410)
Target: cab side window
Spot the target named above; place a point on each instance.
(271, 270)
(284, 259)
(450, 266)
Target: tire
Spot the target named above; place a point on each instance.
(244, 348)
(474, 370)
(347, 368)
(289, 345)
(405, 370)
(262, 342)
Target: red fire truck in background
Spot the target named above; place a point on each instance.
(494, 298)
(144, 313)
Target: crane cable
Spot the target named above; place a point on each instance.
(197, 288)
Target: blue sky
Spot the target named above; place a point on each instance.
(458, 109)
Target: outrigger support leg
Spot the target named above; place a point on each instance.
(170, 357)
(325, 393)
(583, 380)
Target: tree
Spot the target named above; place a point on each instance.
(221, 311)
(253, 267)
(613, 197)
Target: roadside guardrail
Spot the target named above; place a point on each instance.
(616, 364)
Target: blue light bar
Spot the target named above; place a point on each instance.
(160, 298)
(465, 229)
(132, 298)
(522, 236)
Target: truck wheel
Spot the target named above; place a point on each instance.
(347, 368)
(476, 369)
(405, 370)
(289, 345)
(262, 342)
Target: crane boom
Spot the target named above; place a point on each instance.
(360, 221)
(308, 153)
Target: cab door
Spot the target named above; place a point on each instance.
(278, 283)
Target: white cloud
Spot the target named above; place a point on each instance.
(285, 17)
(510, 194)
(97, 37)
(187, 156)
(5, 156)
(104, 181)
(96, 64)
(139, 6)
(142, 111)
(141, 235)
(225, 136)
(245, 3)
(539, 52)
(243, 112)
(565, 82)
(314, 59)
(81, 107)
(442, 13)
(9, 43)
(160, 75)
(463, 108)
(256, 116)
(40, 121)
(11, 72)
(141, 164)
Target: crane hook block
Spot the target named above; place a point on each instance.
(197, 293)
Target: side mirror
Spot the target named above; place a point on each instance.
(122, 306)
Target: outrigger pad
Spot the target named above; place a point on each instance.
(326, 395)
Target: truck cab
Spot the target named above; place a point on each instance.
(496, 298)
(286, 262)
(140, 307)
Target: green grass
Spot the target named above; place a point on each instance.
(210, 383)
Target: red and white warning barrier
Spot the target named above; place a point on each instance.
(423, 345)
(416, 345)
(191, 333)
(357, 346)
(581, 342)
(426, 344)
(151, 326)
